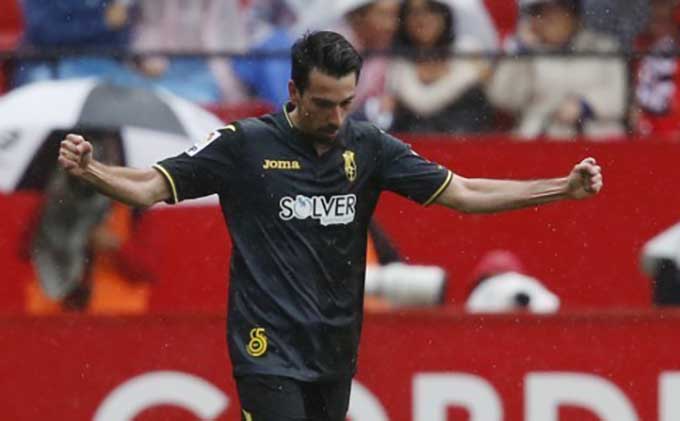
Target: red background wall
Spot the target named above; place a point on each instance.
(65, 367)
(587, 252)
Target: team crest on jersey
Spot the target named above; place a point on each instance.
(333, 210)
(350, 165)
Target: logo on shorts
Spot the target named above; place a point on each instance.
(258, 342)
(350, 165)
(332, 210)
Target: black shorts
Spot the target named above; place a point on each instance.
(275, 398)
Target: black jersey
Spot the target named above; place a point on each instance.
(298, 223)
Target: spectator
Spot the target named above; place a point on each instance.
(369, 25)
(150, 25)
(621, 19)
(560, 97)
(500, 285)
(472, 17)
(76, 24)
(83, 249)
(435, 92)
(192, 26)
(657, 97)
(268, 32)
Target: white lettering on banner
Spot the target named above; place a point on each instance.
(162, 388)
(545, 392)
(669, 394)
(364, 405)
(329, 211)
(433, 393)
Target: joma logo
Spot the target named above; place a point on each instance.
(278, 164)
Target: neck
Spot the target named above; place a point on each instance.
(321, 148)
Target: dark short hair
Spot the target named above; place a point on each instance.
(404, 41)
(326, 51)
(575, 7)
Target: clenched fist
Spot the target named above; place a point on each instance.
(75, 154)
(585, 180)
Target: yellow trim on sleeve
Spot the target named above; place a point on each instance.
(168, 177)
(439, 191)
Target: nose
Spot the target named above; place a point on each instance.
(337, 116)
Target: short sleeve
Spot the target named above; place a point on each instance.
(203, 169)
(406, 173)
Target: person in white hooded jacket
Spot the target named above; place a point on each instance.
(560, 95)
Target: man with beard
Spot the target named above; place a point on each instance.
(297, 189)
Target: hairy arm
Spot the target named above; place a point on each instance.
(477, 195)
(135, 187)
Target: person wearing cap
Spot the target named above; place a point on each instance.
(553, 92)
(500, 284)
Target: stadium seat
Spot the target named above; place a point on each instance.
(239, 110)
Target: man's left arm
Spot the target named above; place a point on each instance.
(477, 195)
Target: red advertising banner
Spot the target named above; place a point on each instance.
(413, 366)
(588, 252)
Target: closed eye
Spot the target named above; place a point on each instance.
(323, 103)
(346, 103)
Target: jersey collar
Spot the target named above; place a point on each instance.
(305, 138)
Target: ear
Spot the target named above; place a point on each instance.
(293, 92)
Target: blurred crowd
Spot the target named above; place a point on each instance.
(543, 68)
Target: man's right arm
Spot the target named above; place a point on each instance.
(135, 187)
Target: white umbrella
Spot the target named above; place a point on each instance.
(152, 124)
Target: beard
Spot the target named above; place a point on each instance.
(326, 135)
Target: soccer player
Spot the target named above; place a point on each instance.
(297, 189)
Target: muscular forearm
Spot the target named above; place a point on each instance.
(486, 196)
(134, 187)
